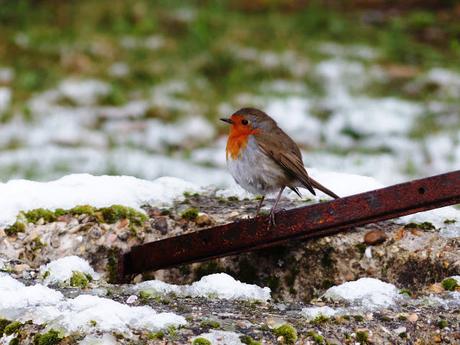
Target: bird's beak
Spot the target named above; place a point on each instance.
(228, 121)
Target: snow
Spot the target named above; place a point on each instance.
(218, 285)
(311, 313)
(61, 270)
(105, 339)
(367, 293)
(84, 189)
(221, 337)
(83, 91)
(5, 98)
(83, 313)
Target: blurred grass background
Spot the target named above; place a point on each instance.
(46, 40)
(210, 45)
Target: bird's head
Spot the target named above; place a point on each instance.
(248, 121)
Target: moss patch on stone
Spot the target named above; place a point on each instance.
(12, 327)
(246, 339)
(18, 226)
(80, 280)
(109, 215)
(201, 341)
(210, 324)
(449, 284)
(288, 332)
(52, 337)
(190, 214)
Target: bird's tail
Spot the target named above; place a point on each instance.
(319, 186)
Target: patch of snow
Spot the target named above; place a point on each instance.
(218, 285)
(367, 293)
(106, 339)
(119, 69)
(221, 337)
(84, 313)
(5, 98)
(6, 74)
(311, 313)
(358, 51)
(61, 270)
(84, 91)
(438, 218)
(14, 296)
(82, 189)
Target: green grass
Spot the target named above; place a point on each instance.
(47, 41)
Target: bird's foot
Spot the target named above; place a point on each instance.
(272, 220)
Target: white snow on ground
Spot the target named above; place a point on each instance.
(105, 339)
(367, 293)
(218, 285)
(221, 337)
(83, 189)
(84, 313)
(15, 296)
(61, 270)
(311, 313)
(85, 91)
(5, 98)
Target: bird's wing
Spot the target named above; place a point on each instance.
(287, 155)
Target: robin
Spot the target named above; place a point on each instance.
(263, 159)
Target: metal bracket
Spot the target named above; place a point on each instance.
(317, 220)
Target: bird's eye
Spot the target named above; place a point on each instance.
(244, 122)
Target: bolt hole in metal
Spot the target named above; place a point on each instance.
(422, 190)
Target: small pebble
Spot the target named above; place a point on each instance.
(203, 220)
(374, 237)
(161, 224)
(131, 299)
(412, 317)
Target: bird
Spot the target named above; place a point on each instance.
(263, 159)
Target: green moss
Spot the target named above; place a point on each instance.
(406, 292)
(319, 320)
(210, 324)
(115, 213)
(201, 341)
(361, 247)
(93, 323)
(358, 318)
(80, 280)
(449, 284)
(317, 338)
(12, 327)
(51, 337)
(443, 323)
(423, 226)
(14, 341)
(18, 226)
(33, 216)
(82, 209)
(450, 221)
(190, 213)
(3, 324)
(37, 243)
(246, 339)
(145, 295)
(362, 337)
(288, 332)
(156, 336)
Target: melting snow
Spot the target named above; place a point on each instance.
(83, 189)
(61, 270)
(312, 313)
(368, 293)
(222, 338)
(84, 313)
(218, 285)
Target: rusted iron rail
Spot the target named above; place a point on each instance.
(305, 222)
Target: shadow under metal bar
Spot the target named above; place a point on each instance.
(316, 220)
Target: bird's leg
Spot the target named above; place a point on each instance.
(272, 212)
(260, 205)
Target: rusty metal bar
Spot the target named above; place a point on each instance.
(305, 222)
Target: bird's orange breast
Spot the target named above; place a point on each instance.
(238, 140)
